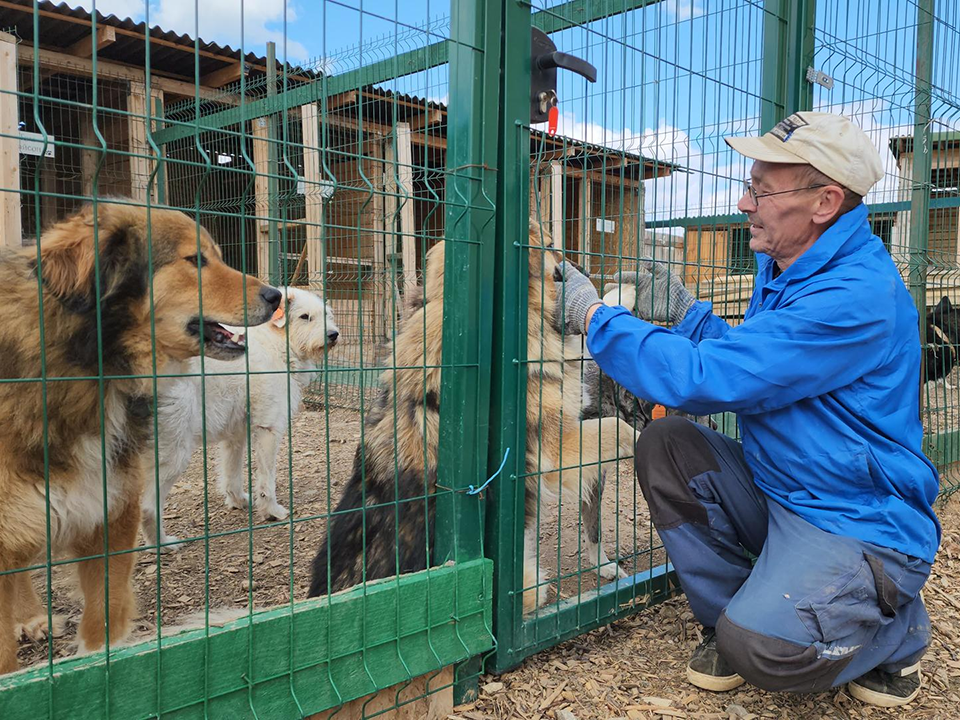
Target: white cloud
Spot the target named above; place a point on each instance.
(219, 21)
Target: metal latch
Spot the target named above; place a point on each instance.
(544, 61)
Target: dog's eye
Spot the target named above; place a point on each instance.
(305, 316)
(196, 260)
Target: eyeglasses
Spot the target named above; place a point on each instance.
(755, 196)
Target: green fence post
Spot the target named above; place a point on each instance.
(508, 400)
(470, 196)
(922, 161)
(788, 48)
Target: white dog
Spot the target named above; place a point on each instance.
(312, 331)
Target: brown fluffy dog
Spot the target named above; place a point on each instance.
(96, 275)
(390, 478)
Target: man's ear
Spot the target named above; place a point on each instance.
(831, 200)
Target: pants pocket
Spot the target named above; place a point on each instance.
(843, 606)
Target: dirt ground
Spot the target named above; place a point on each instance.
(631, 669)
(635, 668)
(249, 565)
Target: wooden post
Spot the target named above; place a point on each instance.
(376, 150)
(390, 205)
(141, 164)
(587, 221)
(405, 189)
(261, 163)
(160, 183)
(89, 154)
(9, 144)
(556, 203)
(313, 197)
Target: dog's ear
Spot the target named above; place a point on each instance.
(69, 259)
(279, 318)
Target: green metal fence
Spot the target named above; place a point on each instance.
(338, 176)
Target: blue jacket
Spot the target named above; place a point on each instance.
(824, 375)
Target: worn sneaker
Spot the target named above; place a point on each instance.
(708, 670)
(885, 689)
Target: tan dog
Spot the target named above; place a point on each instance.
(407, 412)
(97, 273)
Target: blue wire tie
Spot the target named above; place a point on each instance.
(475, 491)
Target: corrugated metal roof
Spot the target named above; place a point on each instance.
(60, 26)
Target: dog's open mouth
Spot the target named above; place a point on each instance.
(218, 340)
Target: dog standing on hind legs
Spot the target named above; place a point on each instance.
(379, 526)
(95, 273)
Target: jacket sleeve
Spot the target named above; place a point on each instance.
(816, 343)
(700, 323)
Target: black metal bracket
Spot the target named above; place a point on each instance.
(544, 61)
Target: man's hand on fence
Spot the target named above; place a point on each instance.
(579, 295)
(661, 296)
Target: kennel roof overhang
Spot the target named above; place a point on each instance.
(379, 109)
(903, 144)
(123, 41)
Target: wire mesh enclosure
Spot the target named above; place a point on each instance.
(290, 388)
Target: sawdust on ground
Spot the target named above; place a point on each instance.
(635, 668)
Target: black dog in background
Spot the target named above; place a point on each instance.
(943, 337)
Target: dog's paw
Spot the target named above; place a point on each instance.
(275, 511)
(612, 571)
(170, 544)
(624, 295)
(237, 502)
(37, 628)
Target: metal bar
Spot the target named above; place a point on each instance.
(922, 160)
(596, 608)
(788, 43)
(469, 252)
(504, 531)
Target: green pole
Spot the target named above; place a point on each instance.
(922, 160)
(507, 397)
(788, 48)
(470, 247)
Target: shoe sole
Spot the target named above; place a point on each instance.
(712, 682)
(872, 697)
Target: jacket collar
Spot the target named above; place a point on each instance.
(846, 235)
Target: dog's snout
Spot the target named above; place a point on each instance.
(332, 336)
(271, 296)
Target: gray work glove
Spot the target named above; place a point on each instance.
(661, 296)
(579, 295)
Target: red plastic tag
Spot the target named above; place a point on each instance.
(552, 119)
(659, 411)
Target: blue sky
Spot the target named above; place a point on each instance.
(674, 78)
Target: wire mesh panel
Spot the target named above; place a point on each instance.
(213, 237)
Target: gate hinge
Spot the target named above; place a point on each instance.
(819, 77)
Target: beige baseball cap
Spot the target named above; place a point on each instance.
(831, 143)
